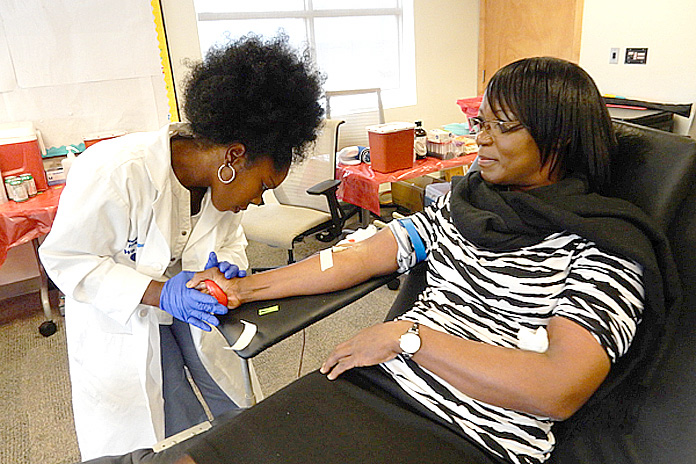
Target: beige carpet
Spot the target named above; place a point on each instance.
(36, 414)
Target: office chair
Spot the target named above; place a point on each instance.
(663, 183)
(305, 203)
(359, 109)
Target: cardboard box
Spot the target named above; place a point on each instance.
(55, 176)
(456, 171)
(391, 146)
(410, 193)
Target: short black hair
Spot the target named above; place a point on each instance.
(561, 107)
(263, 94)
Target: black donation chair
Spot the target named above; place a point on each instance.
(663, 183)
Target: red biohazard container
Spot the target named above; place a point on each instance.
(20, 152)
(391, 146)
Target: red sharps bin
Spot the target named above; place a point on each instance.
(20, 152)
(391, 146)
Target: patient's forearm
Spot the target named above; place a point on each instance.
(355, 264)
(553, 384)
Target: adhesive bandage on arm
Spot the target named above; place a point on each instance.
(326, 259)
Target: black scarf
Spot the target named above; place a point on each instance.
(493, 218)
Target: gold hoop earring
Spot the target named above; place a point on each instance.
(219, 173)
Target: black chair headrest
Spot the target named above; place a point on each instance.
(653, 170)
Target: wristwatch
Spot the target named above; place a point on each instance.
(410, 342)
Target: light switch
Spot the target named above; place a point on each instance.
(614, 56)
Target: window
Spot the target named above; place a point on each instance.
(357, 44)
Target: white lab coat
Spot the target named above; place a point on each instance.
(111, 236)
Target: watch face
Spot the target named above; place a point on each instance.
(409, 342)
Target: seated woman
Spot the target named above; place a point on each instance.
(536, 288)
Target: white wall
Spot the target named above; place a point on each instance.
(446, 33)
(666, 28)
(75, 68)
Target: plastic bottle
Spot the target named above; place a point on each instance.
(29, 184)
(17, 190)
(421, 137)
(67, 162)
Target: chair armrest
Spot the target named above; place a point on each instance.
(324, 187)
(328, 188)
(411, 287)
(292, 315)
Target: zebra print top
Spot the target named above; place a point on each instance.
(493, 297)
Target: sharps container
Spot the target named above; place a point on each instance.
(20, 152)
(391, 146)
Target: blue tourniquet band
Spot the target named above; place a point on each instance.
(416, 240)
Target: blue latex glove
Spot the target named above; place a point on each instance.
(228, 269)
(188, 304)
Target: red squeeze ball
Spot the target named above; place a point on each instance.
(216, 291)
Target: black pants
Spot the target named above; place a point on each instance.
(182, 409)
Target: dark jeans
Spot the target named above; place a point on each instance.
(182, 408)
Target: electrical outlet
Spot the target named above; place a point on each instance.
(614, 56)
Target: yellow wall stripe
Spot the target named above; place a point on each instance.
(164, 58)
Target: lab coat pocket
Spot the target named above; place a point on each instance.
(153, 257)
(110, 326)
(87, 318)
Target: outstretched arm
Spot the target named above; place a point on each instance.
(350, 266)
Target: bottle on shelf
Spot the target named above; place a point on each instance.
(421, 137)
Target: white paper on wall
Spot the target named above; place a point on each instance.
(7, 75)
(78, 67)
(54, 42)
(65, 114)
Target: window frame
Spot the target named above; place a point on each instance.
(405, 95)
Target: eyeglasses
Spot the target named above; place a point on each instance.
(477, 125)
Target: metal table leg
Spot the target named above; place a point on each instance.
(249, 389)
(364, 217)
(48, 327)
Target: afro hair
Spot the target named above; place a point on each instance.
(262, 94)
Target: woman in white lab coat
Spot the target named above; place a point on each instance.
(140, 211)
